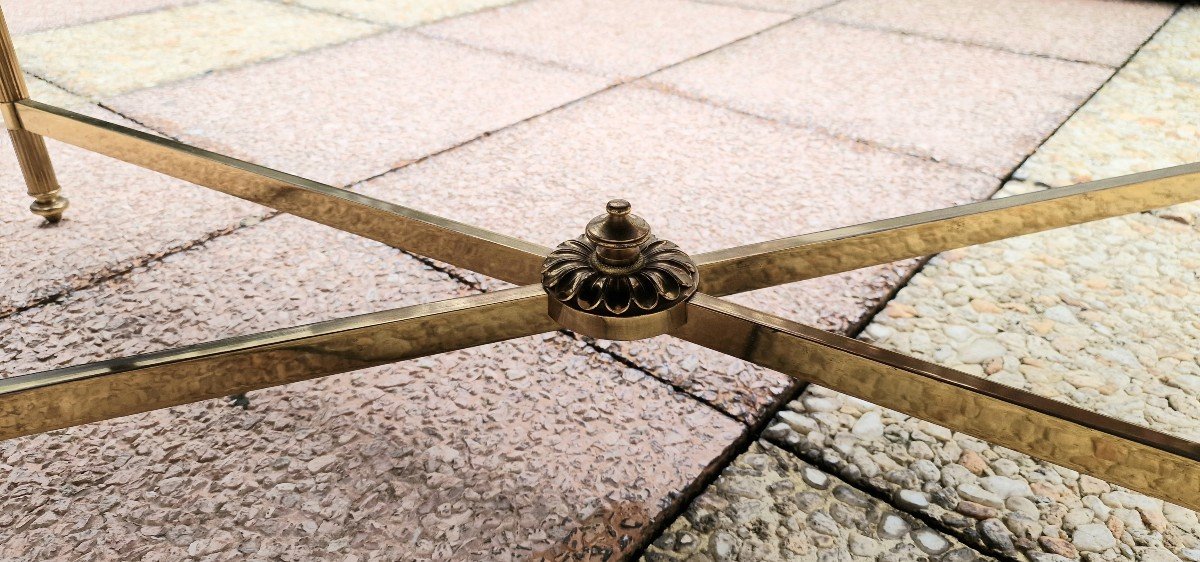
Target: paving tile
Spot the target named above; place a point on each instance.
(1098, 315)
(624, 38)
(972, 106)
(25, 16)
(704, 177)
(1147, 117)
(372, 117)
(489, 453)
(986, 496)
(46, 92)
(403, 13)
(788, 6)
(770, 505)
(1099, 31)
(120, 216)
(110, 57)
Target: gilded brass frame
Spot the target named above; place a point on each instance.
(1137, 457)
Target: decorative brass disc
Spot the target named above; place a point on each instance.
(618, 282)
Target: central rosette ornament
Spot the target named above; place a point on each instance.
(618, 282)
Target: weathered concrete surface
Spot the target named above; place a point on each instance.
(705, 178)
(540, 447)
(430, 96)
(138, 51)
(769, 505)
(620, 38)
(1099, 315)
(1096, 31)
(490, 453)
(972, 106)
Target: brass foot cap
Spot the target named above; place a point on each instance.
(50, 208)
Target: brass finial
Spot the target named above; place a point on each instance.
(618, 237)
(617, 281)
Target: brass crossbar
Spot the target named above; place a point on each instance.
(1140, 458)
(766, 264)
(129, 385)
(486, 252)
(1123, 453)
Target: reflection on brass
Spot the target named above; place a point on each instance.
(1130, 455)
(40, 180)
(499, 256)
(767, 264)
(615, 282)
(618, 282)
(97, 391)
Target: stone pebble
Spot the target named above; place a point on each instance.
(746, 516)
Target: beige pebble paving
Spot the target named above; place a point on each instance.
(1146, 118)
(991, 498)
(138, 51)
(1101, 315)
(769, 505)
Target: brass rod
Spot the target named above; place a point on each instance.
(70, 396)
(766, 264)
(40, 180)
(1123, 453)
(496, 255)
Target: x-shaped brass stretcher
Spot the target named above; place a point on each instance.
(1137, 457)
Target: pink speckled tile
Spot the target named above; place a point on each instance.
(489, 453)
(24, 16)
(704, 177)
(787, 6)
(120, 216)
(624, 38)
(1100, 31)
(338, 115)
(973, 106)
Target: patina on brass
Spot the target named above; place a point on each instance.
(617, 281)
(40, 180)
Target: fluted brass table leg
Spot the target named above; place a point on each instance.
(31, 149)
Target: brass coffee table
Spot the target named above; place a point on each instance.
(616, 281)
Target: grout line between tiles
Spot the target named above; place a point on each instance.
(857, 330)
(351, 185)
(616, 356)
(932, 522)
(393, 25)
(1115, 71)
(650, 84)
(734, 4)
(950, 40)
(114, 17)
(681, 501)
